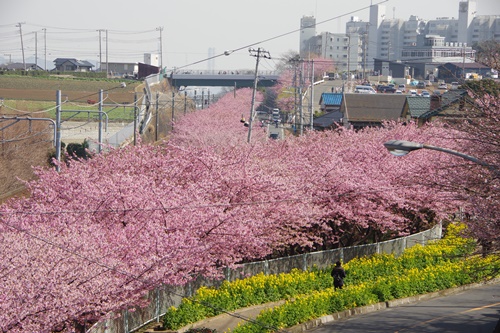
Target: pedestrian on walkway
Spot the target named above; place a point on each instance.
(338, 274)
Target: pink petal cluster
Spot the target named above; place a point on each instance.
(100, 234)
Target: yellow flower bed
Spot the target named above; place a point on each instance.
(420, 269)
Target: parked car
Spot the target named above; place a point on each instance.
(413, 92)
(439, 92)
(425, 93)
(442, 86)
(364, 90)
(454, 85)
(386, 89)
(402, 87)
(276, 115)
(420, 85)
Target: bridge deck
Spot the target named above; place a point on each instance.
(221, 80)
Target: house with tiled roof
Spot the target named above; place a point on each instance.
(363, 110)
(360, 110)
(330, 102)
(416, 106)
(72, 65)
(19, 66)
(449, 105)
(456, 71)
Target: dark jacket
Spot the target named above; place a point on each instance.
(338, 274)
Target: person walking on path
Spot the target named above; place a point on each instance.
(338, 274)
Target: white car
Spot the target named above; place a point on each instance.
(443, 86)
(413, 92)
(364, 90)
(425, 93)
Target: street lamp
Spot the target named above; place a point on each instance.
(401, 148)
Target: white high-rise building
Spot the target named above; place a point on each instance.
(377, 16)
(211, 60)
(307, 36)
(485, 27)
(387, 39)
(466, 12)
(346, 50)
(390, 39)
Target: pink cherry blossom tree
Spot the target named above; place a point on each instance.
(97, 236)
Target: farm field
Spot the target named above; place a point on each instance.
(76, 90)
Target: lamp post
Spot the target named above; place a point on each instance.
(401, 148)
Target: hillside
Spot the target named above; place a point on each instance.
(25, 144)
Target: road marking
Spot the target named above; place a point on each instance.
(450, 315)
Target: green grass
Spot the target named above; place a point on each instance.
(62, 83)
(86, 111)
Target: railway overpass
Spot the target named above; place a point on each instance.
(224, 79)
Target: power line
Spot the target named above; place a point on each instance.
(228, 52)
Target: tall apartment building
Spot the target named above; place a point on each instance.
(412, 28)
(346, 50)
(390, 39)
(387, 39)
(307, 36)
(466, 12)
(484, 28)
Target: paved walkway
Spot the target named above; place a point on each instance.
(222, 323)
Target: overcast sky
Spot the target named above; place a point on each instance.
(189, 27)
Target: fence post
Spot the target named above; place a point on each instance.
(125, 321)
(158, 304)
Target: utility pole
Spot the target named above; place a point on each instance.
(22, 45)
(348, 60)
(45, 46)
(99, 149)
(173, 108)
(107, 64)
(463, 64)
(58, 129)
(364, 52)
(255, 53)
(311, 97)
(185, 101)
(157, 115)
(36, 50)
(100, 52)
(161, 48)
(295, 61)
